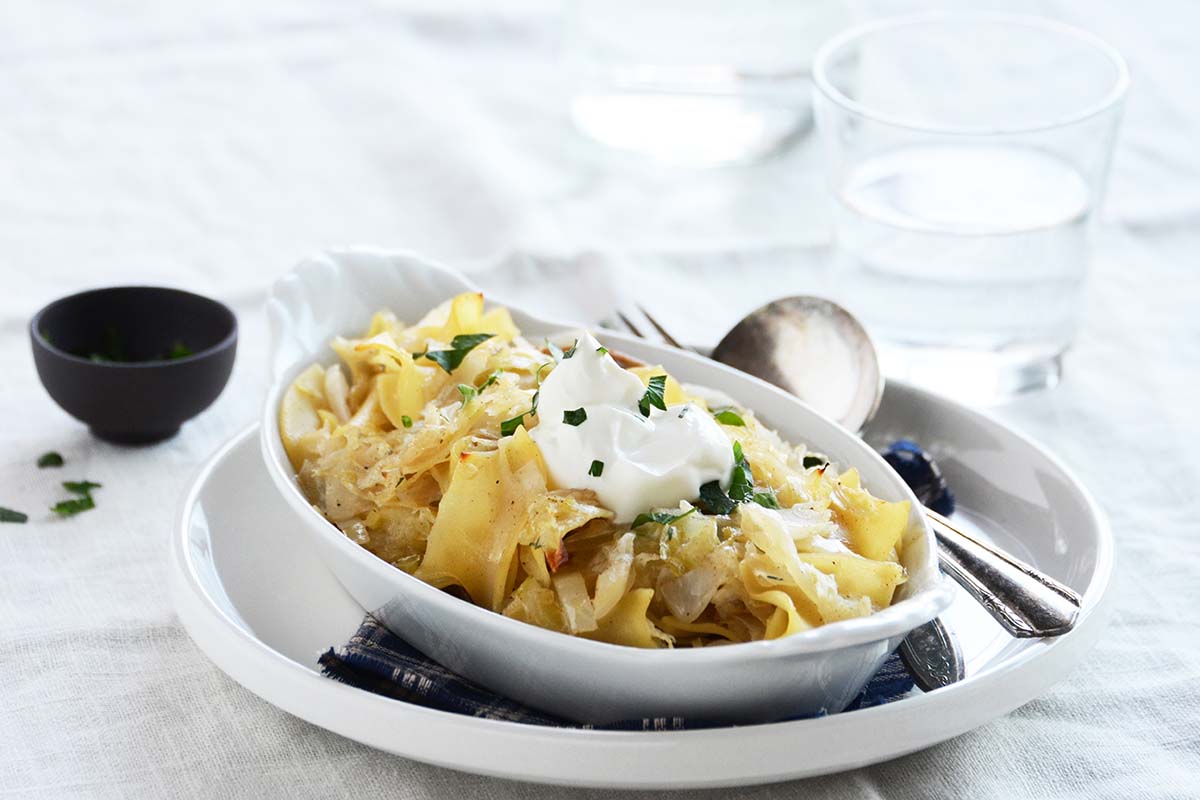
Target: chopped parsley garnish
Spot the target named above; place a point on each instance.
(558, 353)
(9, 515)
(468, 392)
(727, 416)
(509, 426)
(602, 350)
(51, 459)
(596, 469)
(69, 508)
(179, 350)
(112, 349)
(766, 499)
(741, 484)
(406, 421)
(655, 392)
(659, 518)
(491, 379)
(575, 417)
(460, 345)
(813, 461)
(715, 500)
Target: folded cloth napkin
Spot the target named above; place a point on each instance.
(379, 661)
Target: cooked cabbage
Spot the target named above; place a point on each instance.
(415, 446)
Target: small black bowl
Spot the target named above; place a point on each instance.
(134, 362)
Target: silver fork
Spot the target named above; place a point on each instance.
(648, 322)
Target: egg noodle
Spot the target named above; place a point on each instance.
(417, 446)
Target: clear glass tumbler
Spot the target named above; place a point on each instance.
(967, 156)
(695, 82)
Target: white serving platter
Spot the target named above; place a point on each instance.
(263, 608)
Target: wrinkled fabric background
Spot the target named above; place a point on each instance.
(209, 146)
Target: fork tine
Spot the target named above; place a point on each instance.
(671, 340)
(629, 324)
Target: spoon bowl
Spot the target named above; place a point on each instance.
(813, 348)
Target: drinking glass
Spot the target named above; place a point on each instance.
(966, 156)
(696, 82)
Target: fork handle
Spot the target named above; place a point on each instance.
(1025, 601)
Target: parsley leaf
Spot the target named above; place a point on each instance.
(468, 392)
(9, 515)
(112, 350)
(179, 350)
(406, 421)
(51, 459)
(741, 484)
(659, 518)
(727, 416)
(655, 392)
(766, 499)
(813, 461)
(509, 426)
(460, 345)
(491, 379)
(575, 417)
(602, 350)
(69, 508)
(713, 499)
(596, 469)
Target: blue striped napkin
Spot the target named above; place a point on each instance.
(379, 661)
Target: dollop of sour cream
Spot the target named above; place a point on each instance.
(648, 462)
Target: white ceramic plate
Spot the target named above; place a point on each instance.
(263, 609)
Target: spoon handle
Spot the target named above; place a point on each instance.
(1025, 601)
(932, 655)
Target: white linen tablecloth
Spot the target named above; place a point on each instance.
(211, 145)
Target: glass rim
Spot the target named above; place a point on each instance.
(1111, 98)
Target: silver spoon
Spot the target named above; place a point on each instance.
(817, 350)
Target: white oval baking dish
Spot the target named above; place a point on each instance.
(814, 672)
